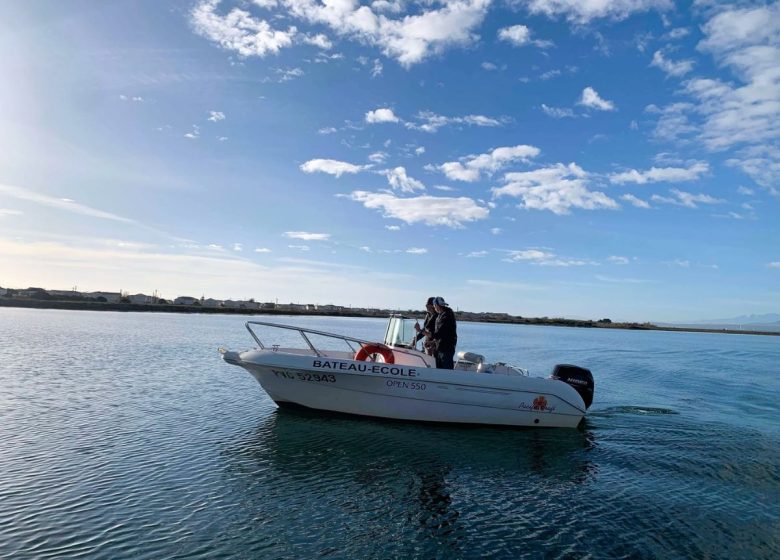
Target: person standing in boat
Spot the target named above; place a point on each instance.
(445, 334)
(429, 325)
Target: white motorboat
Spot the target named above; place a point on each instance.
(394, 380)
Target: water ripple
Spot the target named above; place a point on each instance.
(128, 438)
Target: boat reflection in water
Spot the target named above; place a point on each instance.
(429, 482)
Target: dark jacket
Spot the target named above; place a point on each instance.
(446, 332)
(428, 325)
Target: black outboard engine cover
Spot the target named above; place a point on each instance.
(578, 377)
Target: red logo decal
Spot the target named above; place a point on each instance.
(540, 403)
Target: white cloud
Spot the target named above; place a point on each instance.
(262, 250)
(476, 254)
(582, 12)
(545, 258)
(658, 174)
(400, 181)
(558, 189)
(736, 113)
(383, 115)
(591, 99)
(762, 164)
(216, 116)
(617, 259)
(393, 228)
(673, 123)
(672, 68)
(306, 236)
(556, 112)
(239, 31)
(746, 191)
(327, 130)
(238, 247)
(376, 69)
(287, 74)
(299, 247)
(734, 28)
(489, 66)
(331, 167)
(10, 212)
(416, 251)
(429, 210)
(635, 201)
(431, 122)
(319, 40)
(410, 39)
(530, 255)
(471, 168)
(395, 6)
(775, 264)
(496, 230)
(378, 157)
(518, 35)
(677, 33)
(689, 200)
(477, 120)
(66, 204)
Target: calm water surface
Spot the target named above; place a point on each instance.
(125, 436)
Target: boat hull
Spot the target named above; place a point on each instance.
(404, 392)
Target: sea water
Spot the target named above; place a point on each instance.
(124, 435)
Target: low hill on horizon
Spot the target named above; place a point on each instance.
(764, 318)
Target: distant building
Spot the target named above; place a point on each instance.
(37, 293)
(211, 302)
(292, 307)
(186, 300)
(110, 297)
(3, 291)
(65, 293)
(329, 308)
(140, 298)
(233, 304)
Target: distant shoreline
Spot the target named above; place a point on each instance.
(381, 314)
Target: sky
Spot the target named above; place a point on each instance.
(563, 158)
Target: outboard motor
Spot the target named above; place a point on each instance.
(578, 377)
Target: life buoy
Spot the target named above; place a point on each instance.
(375, 348)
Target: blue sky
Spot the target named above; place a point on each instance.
(539, 157)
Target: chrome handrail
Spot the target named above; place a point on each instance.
(303, 331)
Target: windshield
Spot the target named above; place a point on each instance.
(400, 332)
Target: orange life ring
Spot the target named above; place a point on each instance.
(375, 348)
